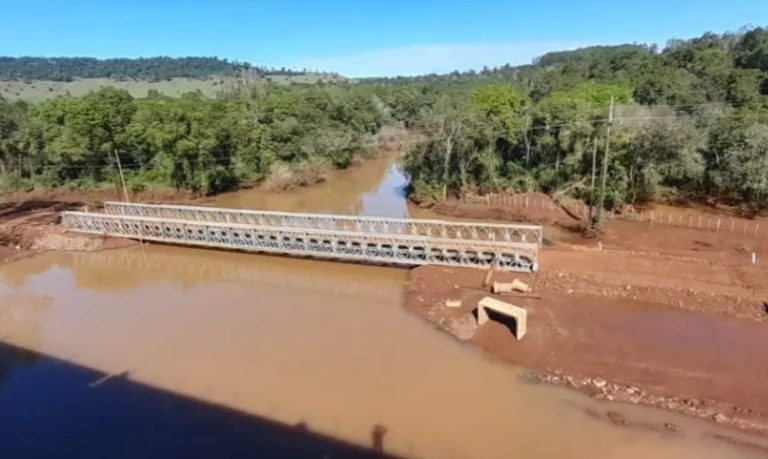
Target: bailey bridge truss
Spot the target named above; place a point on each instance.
(283, 233)
(379, 225)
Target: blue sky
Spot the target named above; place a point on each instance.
(357, 38)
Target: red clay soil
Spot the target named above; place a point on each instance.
(91, 198)
(671, 317)
(33, 226)
(521, 207)
(29, 220)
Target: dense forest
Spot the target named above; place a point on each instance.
(686, 121)
(205, 145)
(151, 69)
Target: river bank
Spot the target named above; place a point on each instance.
(674, 318)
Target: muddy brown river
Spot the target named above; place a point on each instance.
(323, 343)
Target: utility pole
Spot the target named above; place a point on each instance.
(122, 177)
(594, 175)
(127, 199)
(601, 201)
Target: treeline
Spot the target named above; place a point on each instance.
(152, 68)
(689, 121)
(282, 133)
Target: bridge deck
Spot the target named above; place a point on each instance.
(380, 225)
(362, 246)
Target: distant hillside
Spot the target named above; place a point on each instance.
(147, 69)
(39, 78)
(732, 68)
(605, 60)
(40, 90)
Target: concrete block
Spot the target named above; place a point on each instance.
(516, 313)
(453, 303)
(514, 286)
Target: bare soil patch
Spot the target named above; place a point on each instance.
(632, 350)
(33, 226)
(671, 317)
(521, 207)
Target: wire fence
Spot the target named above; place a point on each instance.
(671, 217)
(523, 201)
(695, 220)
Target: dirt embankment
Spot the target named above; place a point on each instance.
(33, 226)
(670, 317)
(29, 221)
(522, 207)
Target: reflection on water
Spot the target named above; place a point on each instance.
(107, 271)
(324, 343)
(388, 199)
(374, 188)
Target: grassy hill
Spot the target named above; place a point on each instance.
(39, 90)
(38, 78)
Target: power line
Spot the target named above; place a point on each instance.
(615, 119)
(93, 165)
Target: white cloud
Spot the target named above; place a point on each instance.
(432, 58)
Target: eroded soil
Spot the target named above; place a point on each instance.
(33, 225)
(651, 314)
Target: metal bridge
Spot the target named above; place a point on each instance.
(362, 239)
(380, 225)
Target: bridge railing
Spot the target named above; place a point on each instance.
(479, 231)
(335, 244)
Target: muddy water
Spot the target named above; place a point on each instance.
(374, 188)
(328, 344)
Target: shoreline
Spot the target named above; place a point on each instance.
(670, 317)
(680, 325)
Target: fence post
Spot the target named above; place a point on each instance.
(757, 227)
(700, 218)
(718, 224)
(733, 223)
